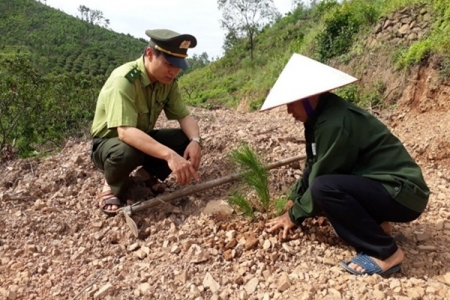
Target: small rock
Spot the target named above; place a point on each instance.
(284, 283)
(250, 287)
(209, 282)
(288, 248)
(378, 295)
(231, 244)
(217, 206)
(420, 236)
(231, 234)
(133, 247)
(426, 248)
(266, 245)
(228, 255)
(175, 249)
(250, 242)
(182, 277)
(140, 254)
(97, 225)
(103, 291)
(144, 288)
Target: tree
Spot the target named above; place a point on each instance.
(93, 16)
(245, 18)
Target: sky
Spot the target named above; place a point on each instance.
(197, 17)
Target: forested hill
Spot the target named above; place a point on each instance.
(60, 43)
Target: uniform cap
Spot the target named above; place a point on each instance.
(303, 77)
(172, 45)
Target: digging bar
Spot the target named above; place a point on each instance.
(127, 211)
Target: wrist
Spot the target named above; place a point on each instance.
(197, 140)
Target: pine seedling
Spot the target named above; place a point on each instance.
(280, 204)
(240, 201)
(254, 172)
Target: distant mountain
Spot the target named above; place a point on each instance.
(60, 43)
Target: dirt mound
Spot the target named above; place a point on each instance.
(56, 244)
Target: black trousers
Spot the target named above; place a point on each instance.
(117, 159)
(355, 207)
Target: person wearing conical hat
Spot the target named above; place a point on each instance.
(128, 106)
(357, 173)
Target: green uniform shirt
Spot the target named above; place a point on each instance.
(342, 138)
(128, 98)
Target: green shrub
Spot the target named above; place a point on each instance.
(341, 23)
(38, 110)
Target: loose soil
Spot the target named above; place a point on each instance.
(57, 244)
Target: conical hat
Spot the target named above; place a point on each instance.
(303, 77)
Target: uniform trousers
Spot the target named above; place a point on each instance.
(356, 206)
(117, 159)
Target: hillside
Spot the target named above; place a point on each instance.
(56, 244)
(348, 36)
(60, 43)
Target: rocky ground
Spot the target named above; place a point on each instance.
(56, 244)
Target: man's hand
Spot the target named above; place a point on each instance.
(182, 169)
(283, 221)
(193, 153)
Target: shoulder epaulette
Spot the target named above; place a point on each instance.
(133, 75)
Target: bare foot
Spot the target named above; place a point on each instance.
(393, 260)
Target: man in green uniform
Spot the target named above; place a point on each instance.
(358, 174)
(128, 107)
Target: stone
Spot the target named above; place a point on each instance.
(144, 288)
(420, 236)
(284, 282)
(266, 245)
(133, 247)
(404, 29)
(426, 248)
(103, 291)
(217, 206)
(228, 255)
(250, 286)
(231, 234)
(447, 278)
(415, 293)
(210, 283)
(378, 295)
(225, 295)
(140, 254)
(231, 244)
(412, 36)
(250, 242)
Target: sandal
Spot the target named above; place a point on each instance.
(107, 198)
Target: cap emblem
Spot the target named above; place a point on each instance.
(185, 44)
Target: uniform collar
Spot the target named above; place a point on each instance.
(145, 80)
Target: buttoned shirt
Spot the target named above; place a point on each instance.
(135, 101)
(342, 138)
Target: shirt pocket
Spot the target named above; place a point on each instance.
(143, 118)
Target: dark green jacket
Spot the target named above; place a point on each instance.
(342, 138)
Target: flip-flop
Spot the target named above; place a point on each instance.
(108, 198)
(369, 265)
